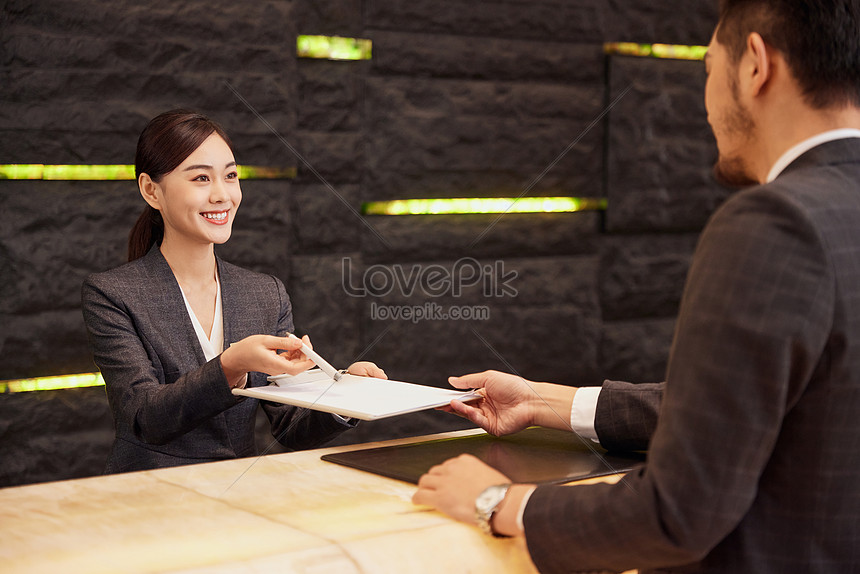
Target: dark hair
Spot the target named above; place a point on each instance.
(820, 40)
(165, 142)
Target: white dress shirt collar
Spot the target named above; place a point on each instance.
(212, 345)
(798, 150)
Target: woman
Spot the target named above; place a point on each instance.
(176, 328)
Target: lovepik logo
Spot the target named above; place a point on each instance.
(433, 280)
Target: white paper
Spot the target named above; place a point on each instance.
(366, 398)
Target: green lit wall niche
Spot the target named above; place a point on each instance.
(475, 205)
(118, 172)
(52, 383)
(333, 48)
(665, 51)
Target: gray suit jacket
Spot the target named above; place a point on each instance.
(754, 466)
(171, 406)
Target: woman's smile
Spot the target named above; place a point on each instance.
(216, 217)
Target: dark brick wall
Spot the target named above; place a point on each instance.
(460, 98)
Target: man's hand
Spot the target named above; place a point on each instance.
(453, 486)
(506, 406)
(511, 403)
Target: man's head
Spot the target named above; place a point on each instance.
(762, 48)
(819, 39)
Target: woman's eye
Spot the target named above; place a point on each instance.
(233, 175)
(201, 177)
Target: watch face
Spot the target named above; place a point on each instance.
(488, 500)
(486, 505)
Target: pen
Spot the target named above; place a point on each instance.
(324, 365)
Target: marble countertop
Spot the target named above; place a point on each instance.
(279, 513)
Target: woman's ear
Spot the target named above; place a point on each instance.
(148, 189)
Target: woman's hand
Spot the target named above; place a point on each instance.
(366, 369)
(264, 354)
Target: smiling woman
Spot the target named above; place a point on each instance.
(176, 329)
(169, 146)
(203, 191)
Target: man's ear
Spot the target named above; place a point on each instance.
(148, 189)
(759, 63)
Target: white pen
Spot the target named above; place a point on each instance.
(324, 365)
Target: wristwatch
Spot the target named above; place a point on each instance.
(486, 505)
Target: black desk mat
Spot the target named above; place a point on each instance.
(534, 455)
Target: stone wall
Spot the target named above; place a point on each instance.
(461, 98)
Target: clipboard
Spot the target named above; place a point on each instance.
(365, 398)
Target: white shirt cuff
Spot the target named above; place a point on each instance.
(523, 509)
(583, 410)
(342, 419)
(243, 384)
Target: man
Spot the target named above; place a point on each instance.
(754, 465)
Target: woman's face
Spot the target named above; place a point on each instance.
(198, 200)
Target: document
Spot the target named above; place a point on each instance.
(365, 398)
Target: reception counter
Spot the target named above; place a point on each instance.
(279, 513)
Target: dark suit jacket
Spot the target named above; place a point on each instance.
(626, 414)
(171, 406)
(754, 466)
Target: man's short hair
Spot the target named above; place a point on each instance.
(820, 40)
